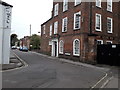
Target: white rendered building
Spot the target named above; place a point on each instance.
(5, 30)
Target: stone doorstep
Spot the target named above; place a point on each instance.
(11, 66)
(12, 57)
(14, 61)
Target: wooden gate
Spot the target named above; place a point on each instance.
(108, 54)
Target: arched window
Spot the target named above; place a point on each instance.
(61, 47)
(76, 47)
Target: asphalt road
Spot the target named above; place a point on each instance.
(44, 72)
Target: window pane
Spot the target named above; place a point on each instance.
(76, 47)
(98, 22)
(98, 3)
(50, 30)
(77, 20)
(56, 9)
(65, 5)
(64, 25)
(109, 25)
(77, 2)
(61, 47)
(55, 27)
(109, 5)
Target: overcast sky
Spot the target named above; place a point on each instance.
(26, 12)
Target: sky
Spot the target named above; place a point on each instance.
(26, 12)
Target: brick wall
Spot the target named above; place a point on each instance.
(87, 43)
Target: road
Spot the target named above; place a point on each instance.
(44, 72)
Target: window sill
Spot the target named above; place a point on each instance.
(67, 54)
(76, 55)
(109, 11)
(77, 5)
(98, 30)
(56, 16)
(55, 33)
(99, 7)
(60, 53)
(110, 32)
(65, 11)
(76, 29)
(64, 32)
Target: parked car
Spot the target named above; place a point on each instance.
(20, 48)
(23, 49)
(13, 47)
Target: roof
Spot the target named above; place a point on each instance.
(46, 21)
(5, 4)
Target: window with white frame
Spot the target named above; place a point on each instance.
(61, 47)
(109, 42)
(51, 30)
(55, 27)
(77, 2)
(109, 25)
(98, 22)
(98, 3)
(56, 9)
(43, 29)
(64, 24)
(76, 47)
(99, 42)
(77, 20)
(109, 5)
(65, 5)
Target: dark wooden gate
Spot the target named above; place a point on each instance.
(108, 54)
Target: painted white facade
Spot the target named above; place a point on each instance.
(5, 29)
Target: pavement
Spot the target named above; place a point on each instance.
(15, 62)
(111, 82)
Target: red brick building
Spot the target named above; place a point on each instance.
(25, 42)
(75, 29)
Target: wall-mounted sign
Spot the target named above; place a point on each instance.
(113, 46)
(7, 23)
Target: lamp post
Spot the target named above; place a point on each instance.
(30, 38)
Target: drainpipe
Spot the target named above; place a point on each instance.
(92, 35)
(90, 18)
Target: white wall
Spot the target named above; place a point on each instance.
(5, 29)
(1, 32)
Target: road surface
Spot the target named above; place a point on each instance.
(44, 72)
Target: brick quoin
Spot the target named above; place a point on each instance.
(87, 34)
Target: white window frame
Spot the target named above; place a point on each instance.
(63, 24)
(61, 47)
(100, 41)
(111, 31)
(56, 9)
(74, 48)
(56, 27)
(109, 42)
(97, 21)
(51, 30)
(109, 5)
(79, 20)
(98, 3)
(65, 5)
(77, 2)
(44, 27)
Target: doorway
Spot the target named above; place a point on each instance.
(54, 48)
